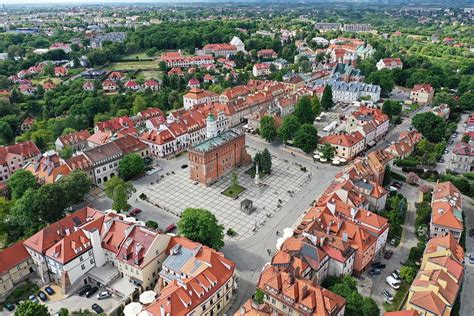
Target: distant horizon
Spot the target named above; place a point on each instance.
(82, 2)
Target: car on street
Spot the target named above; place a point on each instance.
(170, 228)
(135, 211)
(375, 271)
(33, 298)
(446, 151)
(42, 296)
(388, 254)
(471, 258)
(378, 265)
(454, 135)
(387, 295)
(471, 232)
(84, 289)
(103, 295)
(441, 160)
(96, 308)
(392, 188)
(49, 290)
(9, 307)
(394, 283)
(184, 166)
(451, 142)
(92, 291)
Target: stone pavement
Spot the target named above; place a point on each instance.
(175, 192)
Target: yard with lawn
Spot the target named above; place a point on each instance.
(22, 292)
(149, 74)
(42, 80)
(140, 56)
(234, 191)
(132, 65)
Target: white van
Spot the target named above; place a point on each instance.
(394, 283)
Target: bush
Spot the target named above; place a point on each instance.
(143, 196)
(231, 232)
(397, 176)
(152, 224)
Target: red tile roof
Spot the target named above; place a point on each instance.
(12, 256)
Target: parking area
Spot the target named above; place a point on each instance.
(76, 303)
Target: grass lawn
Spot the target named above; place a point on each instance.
(149, 74)
(230, 192)
(22, 292)
(141, 55)
(251, 172)
(398, 299)
(55, 80)
(132, 65)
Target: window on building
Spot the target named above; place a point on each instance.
(83, 267)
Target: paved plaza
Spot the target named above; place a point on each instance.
(175, 192)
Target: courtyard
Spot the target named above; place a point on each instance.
(174, 192)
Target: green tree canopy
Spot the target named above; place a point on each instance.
(327, 151)
(21, 181)
(29, 308)
(131, 166)
(383, 78)
(49, 201)
(75, 186)
(268, 128)
(266, 161)
(139, 104)
(326, 100)
(430, 125)
(304, 111)
(201, 226)
(288, 128)
(119, 191)
(306, 138)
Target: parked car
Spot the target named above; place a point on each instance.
(471, 258)
(387, 295)
(441, 160)
(392, 282)
(170, 228)
(84, 289)
(396, 274)
(49, 290)
(33, 298)
(96, 308)
(378, 265)
(392, 188)
(375, 271)
(135, 211)
(388, 254)
(9, 307)
(92, 291)
(398, 183)
(42, 296)
(103, 295)
(471, 232)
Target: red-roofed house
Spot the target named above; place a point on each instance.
(194, 278)
(193, 83)
(152, 85)
(198, 96)
(109, 86)
(114, 125)
(88, 85)
(15, 266)
(132, 85)
(77, 141)
(422, 94)
(261, 69)
(60, 71)
(176, 71)
(446, 215)
(347, 145)
(267, 54)
(15, 157)
(284, 292)
(462, 159)
(389, 63)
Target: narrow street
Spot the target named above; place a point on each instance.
(374, 285)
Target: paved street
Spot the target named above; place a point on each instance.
(442, 166)
(467, 303)
(373, 285)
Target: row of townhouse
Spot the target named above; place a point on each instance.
(446, 215)
(438, 282)
(177, 59)
(127, 258)
(337, 236)
(363, 128)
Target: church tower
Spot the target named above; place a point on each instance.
(211, 126)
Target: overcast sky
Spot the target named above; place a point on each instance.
(76, 1)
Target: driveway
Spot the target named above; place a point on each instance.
(76, 303)
(373, 285)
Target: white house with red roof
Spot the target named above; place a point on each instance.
(15, 157)
(346, 145)
(60, 71)
(422, 94)
(109, 86)
(116, 76)
(446, 215)
(88, 85)
(389, 63)
(77, 141)
(62, 46)
(193, 83)
(267, 54)
(153, 85)
(132, 85)
(198, 96)
(261, 69)
(462, 158)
